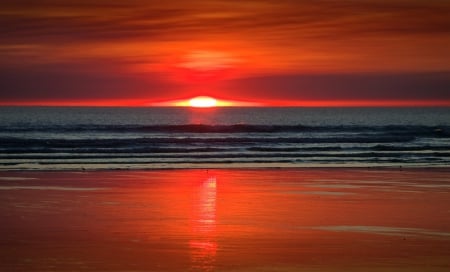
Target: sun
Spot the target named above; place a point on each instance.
(205, 102)
(202, 102)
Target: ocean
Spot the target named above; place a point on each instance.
(95, 138)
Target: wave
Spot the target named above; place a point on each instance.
(185, 149)
(229, 155)
(169, 161)
(443, 131)
(212, 144)
(11, 142)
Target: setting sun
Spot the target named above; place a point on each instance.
(205, 102)
(202, 102)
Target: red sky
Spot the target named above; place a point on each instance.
(284, 52)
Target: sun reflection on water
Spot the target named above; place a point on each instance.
(203, 245)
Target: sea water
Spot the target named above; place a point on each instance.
(146, 138)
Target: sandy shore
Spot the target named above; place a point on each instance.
(226, 220)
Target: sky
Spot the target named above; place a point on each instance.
(283, 52)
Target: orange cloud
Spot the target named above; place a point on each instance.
(130, 48)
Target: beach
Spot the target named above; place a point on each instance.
(225, 136)
(293, 219)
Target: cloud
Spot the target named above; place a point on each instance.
(360, 49)
(365, 86)
(79, 82)
(63, 21)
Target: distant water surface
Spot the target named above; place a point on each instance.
(145, 138)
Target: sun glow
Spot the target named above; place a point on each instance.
(202, 102)
(205, 102)
(205, 60)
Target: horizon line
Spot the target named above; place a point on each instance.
(234, 103)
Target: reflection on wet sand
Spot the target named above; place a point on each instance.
(323, 220)
(203, 245)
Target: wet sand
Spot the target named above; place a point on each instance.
(226, 220)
